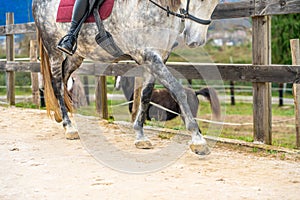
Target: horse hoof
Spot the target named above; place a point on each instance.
(71, 133)
(143, 144)
(200, 149)
(72, 136)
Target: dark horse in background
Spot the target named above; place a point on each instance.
(142, 31)
(162, 97)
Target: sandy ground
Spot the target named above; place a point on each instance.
(36, 162)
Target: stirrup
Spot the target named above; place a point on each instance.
(107, 43)
(61, 47)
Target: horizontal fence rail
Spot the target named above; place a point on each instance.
(254, 8)
(232, 72)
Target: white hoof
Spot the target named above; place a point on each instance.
(71, 133)
(200, 149)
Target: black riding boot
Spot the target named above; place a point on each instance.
(68, 43)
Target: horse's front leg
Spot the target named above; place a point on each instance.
(58, 86)
(161, 72)
(142, 142)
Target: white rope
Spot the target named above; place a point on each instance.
(122, 104)
(163, 108)
(223, 123)
(204, 120)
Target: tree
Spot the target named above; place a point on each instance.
(284, 28)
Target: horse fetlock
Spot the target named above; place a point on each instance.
(192, 125)
(137, 126)
(66, 122)
(197, 138)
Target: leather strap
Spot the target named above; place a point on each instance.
(104, 38)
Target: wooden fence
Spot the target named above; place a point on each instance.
(261, 72)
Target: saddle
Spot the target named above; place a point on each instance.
(65, 8)
(98, 10)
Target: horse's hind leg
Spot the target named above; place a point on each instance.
(60, 72)
(70, 64)
(142, 142)
(160, 71)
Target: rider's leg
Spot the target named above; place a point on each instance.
(68, 42)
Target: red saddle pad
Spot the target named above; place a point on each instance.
(65, 9)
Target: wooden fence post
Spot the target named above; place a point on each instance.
(10, 56)
(262, 105)
(295, 49)
(34, 75)
(101, 96)
(280, 94)
(232, 97)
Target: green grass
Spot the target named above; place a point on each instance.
(88, 111)
(26, 105)
(283, 133)
(247, 109)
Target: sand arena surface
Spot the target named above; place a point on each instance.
(37, 162)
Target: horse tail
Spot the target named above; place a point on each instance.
(50, 98)
(211, 95)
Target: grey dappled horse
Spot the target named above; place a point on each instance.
(143, 31)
